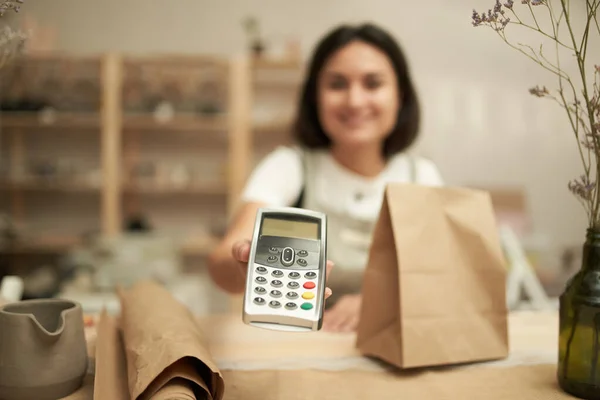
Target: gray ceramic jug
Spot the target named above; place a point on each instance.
(43, 352)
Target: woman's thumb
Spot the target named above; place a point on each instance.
(241, 250)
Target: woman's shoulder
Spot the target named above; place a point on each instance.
(285, 153)
(423, 169)
(277, 179)
(293, 156)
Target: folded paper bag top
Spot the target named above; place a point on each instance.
(434, 287)
(154, 351)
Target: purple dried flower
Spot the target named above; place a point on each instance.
(11, 44)
(497, 7)
(588, 144)
(582, 187)
(539, 92)
(509, 4)
(7, 5)
(590, 141)
(494, 17)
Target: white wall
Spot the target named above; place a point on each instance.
(481, 125)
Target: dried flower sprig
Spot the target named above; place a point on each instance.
(10, 5)
(11, 44)
(11, 40)
(580, 96)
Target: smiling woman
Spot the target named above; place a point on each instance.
(358, 94)
(357, 117)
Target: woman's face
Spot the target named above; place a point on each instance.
(358, 95)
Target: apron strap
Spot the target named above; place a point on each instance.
(413, 169)
(300, 200)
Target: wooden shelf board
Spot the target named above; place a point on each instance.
(59, 186)
(274, 63)
(42, 245)
(201, 245)
(276, 126)
(177, 59)
(180, 122)
(56, 55)
(33, 120)
(208, 188)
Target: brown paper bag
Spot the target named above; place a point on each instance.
(154, 352)
(435, 285)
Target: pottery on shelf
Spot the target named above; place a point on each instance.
(43, 350)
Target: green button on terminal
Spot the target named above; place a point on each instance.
(306, 306)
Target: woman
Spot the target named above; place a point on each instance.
(358, 114)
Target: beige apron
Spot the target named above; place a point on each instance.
(348, 238)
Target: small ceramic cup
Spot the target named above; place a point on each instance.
(43, 350)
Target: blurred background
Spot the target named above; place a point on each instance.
(129, 127)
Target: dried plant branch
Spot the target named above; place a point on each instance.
(10, 5)
(581, 105)
(11, 41)
(589, 5)
(11, 44)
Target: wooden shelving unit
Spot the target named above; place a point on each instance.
(275, 90)
(139, 120)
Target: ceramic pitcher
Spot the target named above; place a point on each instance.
(43, 352)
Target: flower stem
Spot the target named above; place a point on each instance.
(580, 55)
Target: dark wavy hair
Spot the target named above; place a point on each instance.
(307, 128)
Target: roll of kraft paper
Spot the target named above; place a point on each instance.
(178, 389)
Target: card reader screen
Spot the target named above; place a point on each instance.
(290, 228)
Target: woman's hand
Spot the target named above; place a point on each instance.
(344, 315)
(241, 252)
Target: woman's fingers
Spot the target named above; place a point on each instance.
(241, 250)
(328, 268)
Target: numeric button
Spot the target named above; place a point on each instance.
(310, 275)
(294, 275)
(274, 304)
(291, 295)
(260, 290)
(290, 306)
(277, 273)
(276, 283)
(275, 293)
(259, 300)
(293, 285)
(261, 270)
(261, 279)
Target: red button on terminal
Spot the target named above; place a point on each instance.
(309, 285)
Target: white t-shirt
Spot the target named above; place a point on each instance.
(278, 181)
(352, 202)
